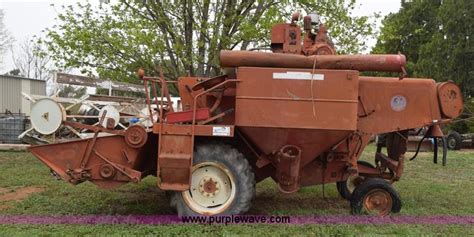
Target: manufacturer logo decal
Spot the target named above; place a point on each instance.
(398, 103)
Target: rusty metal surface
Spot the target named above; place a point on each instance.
(378, 201)
(312, 142)
(450, 99)
(288, 168)
(208, 83)
(136, 136)
(302, 114)
(435, 131)
(390, 104)
(175, 153)
(386, 63)
(200, 130)
(187, 116)
(327, 102)
(286, 38)
(66, 160)
(319, 44)
(186, 93)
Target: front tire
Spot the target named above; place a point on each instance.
(222, 183)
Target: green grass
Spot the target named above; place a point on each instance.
(425, 188)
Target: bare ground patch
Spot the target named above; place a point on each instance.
(4, 190)
(16, 195)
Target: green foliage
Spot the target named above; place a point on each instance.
(449, 55)
(183, 37)
(437, 38)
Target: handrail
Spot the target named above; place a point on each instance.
(162, 83)
(145, 85)
(193, 124)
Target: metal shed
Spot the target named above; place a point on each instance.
(10, 93)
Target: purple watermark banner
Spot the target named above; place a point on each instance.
(240, 219)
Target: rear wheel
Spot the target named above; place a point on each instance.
(222, 183)
(375, 197)
(345, 188)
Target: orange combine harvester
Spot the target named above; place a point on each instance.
(300, 114)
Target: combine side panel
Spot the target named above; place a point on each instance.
(297, 98)
(311, 109)
(391, 104)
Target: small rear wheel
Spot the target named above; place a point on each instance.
(345, 188)
(222, 183)
(375, 197)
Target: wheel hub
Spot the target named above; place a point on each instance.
(208, 187)
(378, 202)
(212, 189)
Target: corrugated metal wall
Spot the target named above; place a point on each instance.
(10, 93)
(37, 87)
(10, 90)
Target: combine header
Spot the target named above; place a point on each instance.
(301, 115)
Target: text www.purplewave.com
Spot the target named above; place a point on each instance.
(236, 219)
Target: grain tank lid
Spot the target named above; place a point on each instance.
(379, 62)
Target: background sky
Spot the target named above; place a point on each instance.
(23, 19)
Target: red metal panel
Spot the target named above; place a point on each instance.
(391, 104)
(265, 98)
(199, 130)
(311, 141)
(450, 99)
(175, 154)
(187, 116)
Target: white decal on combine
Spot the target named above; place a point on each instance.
(221, 131)
(398, 103)
(298, 76)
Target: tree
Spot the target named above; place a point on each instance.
(449, 54)
(5, 38)
(437, 38)
(31, 61)
(14, 72)
(184, 36)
